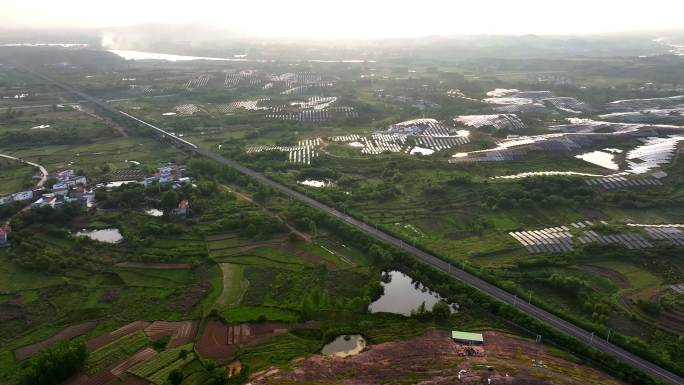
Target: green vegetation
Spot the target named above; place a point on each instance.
(247, 254)
(158, 368)
(115, 351)
(54, 365)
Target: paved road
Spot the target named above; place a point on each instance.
(532, 310)
(43, 171)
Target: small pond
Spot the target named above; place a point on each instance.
(104, 235)
(316, 183)
(154, 212)
(345, 345)
(402, 295)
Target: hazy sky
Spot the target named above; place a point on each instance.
(357, 18)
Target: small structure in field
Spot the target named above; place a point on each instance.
(182, 209)
(467, 338)
(4, 230)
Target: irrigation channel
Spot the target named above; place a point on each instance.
(486, 287)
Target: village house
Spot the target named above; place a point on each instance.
(182, 209)
(167, 174)
(68, 179)
(467, 338)
(22, 196)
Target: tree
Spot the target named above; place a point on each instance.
(312, 227)
(169, 200)
(292, 236)
(251, 231)
(176, 377)
(441, 311)
(218, 377)
(55, 364)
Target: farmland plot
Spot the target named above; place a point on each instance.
(115, 351)
(234, 285)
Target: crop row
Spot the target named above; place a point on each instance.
(162, 375)
(116, 351)
(149, 367)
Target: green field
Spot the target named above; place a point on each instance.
(236, 257)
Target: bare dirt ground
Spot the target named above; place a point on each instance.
(143, 355)
(221, 341)
(181, 332)
(133, 380)
(65, 334)
(102, 377)
(434, 359)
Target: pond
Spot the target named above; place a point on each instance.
(104, 235)
(402, 295)
(345, 345)
(154, 212)
(316, 183)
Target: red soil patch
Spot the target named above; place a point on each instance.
(99, 341)
(233, 369)
(434, 359)
(65, 334)
(181, 332)
(129, 328)
(221, 341)
(134, 380)
(102, 377)
(142, 355)
(76, 379)
(102, 340)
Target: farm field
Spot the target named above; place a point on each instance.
(508, 169)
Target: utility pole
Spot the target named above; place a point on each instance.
(608, 337)
(530, 300)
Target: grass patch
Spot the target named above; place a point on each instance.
(234, 285)
(637, 276)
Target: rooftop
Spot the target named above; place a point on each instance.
(465, 336)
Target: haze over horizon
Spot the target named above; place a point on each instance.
(355, 18)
